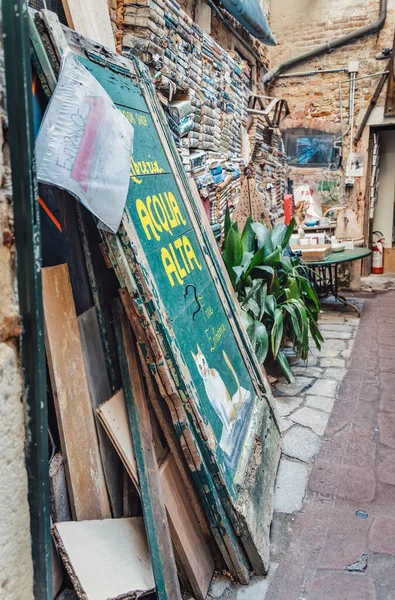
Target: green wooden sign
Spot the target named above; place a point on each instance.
(220, 383)
(204, 364)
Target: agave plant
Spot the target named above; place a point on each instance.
(277, 300)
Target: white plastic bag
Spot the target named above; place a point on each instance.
(306, 193)
(85, 143)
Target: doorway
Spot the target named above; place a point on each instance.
(384, 213)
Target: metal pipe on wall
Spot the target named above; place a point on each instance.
(329, 46)
(311, 73)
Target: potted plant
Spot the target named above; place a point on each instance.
(277, 300)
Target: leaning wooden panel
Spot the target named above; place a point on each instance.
(158, 534)
(92, 19)
(86, 484)
(99, 387)
(114, 418)
(186, 535)
(237, 470)
(185, 531)
(106, 560)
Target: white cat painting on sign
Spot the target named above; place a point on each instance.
(226, 406)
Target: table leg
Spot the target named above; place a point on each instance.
(342, 299)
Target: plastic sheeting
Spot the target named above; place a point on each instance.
(85, 143)
(250, 14)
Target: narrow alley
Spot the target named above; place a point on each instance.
(197, 300)
(343, 541)
(333, 531)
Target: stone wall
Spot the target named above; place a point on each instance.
(300, 25)
(16, 570)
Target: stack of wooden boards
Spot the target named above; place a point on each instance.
(201, 475)
(105, 556)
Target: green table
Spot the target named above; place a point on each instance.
(323, 273)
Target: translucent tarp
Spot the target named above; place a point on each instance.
(85, 143)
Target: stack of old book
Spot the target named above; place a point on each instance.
(205, 88)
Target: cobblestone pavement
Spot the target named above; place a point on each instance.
(341, 546)
(305, 406)
(333, 533)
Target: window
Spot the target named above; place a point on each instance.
(55, 5)
(311, 148)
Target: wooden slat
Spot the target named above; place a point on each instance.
(131, 498)
(114, 418)
(186, 534)
(106, 560)
(99, 386)
(86, 484)
(90, 18)
(157, 528)
(57, 571)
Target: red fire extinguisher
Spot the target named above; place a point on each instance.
(288, 208)
(378, 254)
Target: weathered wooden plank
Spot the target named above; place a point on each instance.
(114, 418)
(147, 360)
(106, 560)
(186, 535)
(100, 392)
(57, 571)
(157, 528)
(185, 531)
(47, 76)
(56, 35)
(131, 498)
(103, 284)
(86, 484)
(90, 18)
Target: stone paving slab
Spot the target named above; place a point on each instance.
(286, 405)
(293, 389)
(290, 486)
(324, 403)
(311, 418)
(324, 387)
(301, 443)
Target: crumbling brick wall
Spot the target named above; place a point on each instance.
(300, 25)
(16, 571)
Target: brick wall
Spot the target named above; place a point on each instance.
(300, 25)
(16, 571)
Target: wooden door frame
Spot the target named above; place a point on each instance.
(28, 245)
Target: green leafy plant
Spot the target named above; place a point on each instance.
(278, 302)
